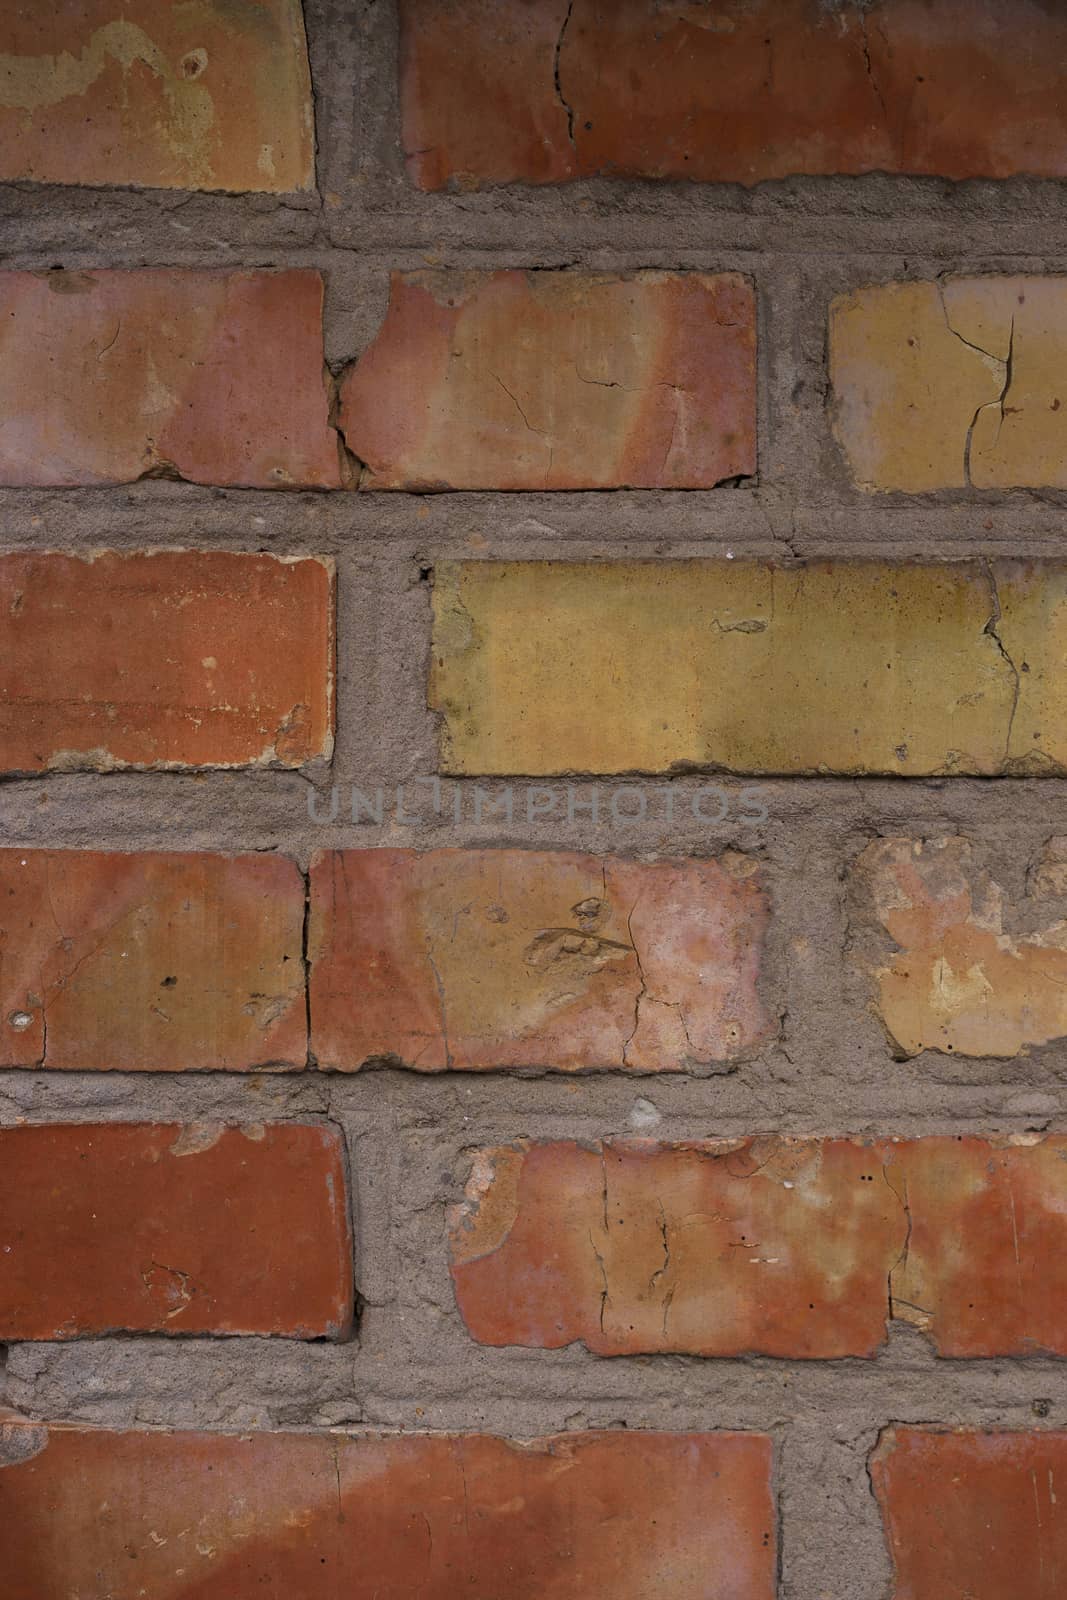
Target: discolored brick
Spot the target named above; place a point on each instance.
(972, 1513)
(156, 1228)
(545, 667)
(180, 658)
(499, 91)
(953, 383)
(165, 963)
(209, 95)
(475, 959)
(958, 982)
(777, 1246)
(629, 1515)
(215, 377)
(557, 380)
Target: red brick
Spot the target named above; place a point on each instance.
(973, 1515)
(216, 377)
(625, 1515)
(475, 959)
(557, 380)
(206, 96)
(777, 1246)
(153, 1228)
(787, 1247)
(165, 963)
(179, 659)
(495, 91)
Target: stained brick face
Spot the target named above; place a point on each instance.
(205, 96)
(557, 380)
(182, 659)
(168, 1229)
(164, 963)
(629, 1515)
(481, 959)
(501, 91)
(216, 377)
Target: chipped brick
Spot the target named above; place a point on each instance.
(557, 380)
(156, 1228)
(475, 959)
(181, 659)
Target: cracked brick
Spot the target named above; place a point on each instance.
(557, 380)
(481, 959)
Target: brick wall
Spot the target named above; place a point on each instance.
(533, 899)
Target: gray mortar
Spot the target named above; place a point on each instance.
(409, 1137)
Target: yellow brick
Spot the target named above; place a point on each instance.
(552, 667)
(954, 383)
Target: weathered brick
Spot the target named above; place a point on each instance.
(543, 667)
(777, 1246)
(216, 377)
(154, 1228)
(985, 1269)
(495, 91)
(958, 982)
(179, 659)
(165, 963)
(505, 958)
(973, 1514)
(557, 380)
(798, 1248)
(206, 96)
(626, 1515)
(952, 383)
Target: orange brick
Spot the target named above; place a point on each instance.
(787, 1247)
(973, 1514)
(777, 1246)
(216, 377)
(165, 963)
(495, 91)
(474, 959)
(150, 1228)
(557, 380)
(628, 1515)
(206, 96)
(180, 659)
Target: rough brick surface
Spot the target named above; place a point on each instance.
(953, 383)
(551, 667)
(958, 981)
(216, 377)
(507, 958)
(178, 962)
(770, 1245)
(973, 1515)
(627, 1515)
(557, 380)
(180, 659)
(149, 1228)
(786, 1247)
(495, 91)
(205, 96)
